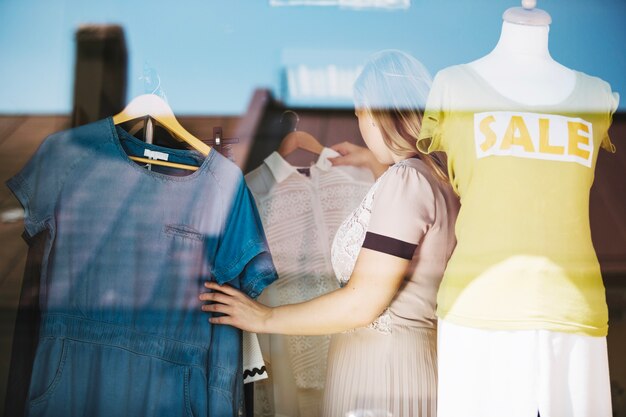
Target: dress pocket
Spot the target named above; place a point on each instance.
(187, 382)
(48, 369)
(195, 387)
(183, 231)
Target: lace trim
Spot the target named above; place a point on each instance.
(382, 323)
(347, 244)
(349, 238)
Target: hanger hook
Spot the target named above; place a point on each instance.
(158, 86)
(295, 114)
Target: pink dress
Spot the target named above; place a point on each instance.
(388, 369)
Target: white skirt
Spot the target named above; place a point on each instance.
(520, 373)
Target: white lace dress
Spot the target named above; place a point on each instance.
(301, 210)
(388, 369)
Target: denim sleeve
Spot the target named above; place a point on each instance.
(243, 251)
(37, 186)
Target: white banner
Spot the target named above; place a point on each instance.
(533, 135)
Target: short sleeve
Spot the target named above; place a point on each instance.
(38, 184)
(402, 212)
(612, 108)
(242, 250)
(429, 139)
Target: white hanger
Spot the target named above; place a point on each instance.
(527, 15)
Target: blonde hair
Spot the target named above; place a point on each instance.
(392, 88)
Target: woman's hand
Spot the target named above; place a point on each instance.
(239, 310)
(373, 284)
(357, 156)
(352, 154)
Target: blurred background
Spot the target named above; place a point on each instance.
(211, 55)
(232, 68)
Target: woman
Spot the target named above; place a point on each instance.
(389, 257)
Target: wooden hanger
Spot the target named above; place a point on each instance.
(156, 108)
(298, 140)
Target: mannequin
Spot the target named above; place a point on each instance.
(520, 66)
(522, 309)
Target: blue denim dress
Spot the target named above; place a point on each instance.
(122, 330)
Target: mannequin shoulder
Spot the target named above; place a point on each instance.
(598, 93)
(595, 82)
(450, 74)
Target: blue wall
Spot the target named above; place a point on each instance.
(211, 54)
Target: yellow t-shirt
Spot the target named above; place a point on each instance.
(524, 257)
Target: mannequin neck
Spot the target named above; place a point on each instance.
(520, 67)
(522, 41)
